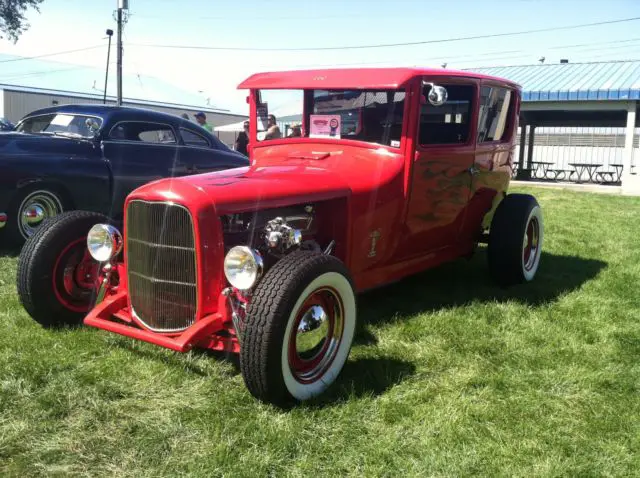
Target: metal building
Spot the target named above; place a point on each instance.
(32, 84)
(578, 121)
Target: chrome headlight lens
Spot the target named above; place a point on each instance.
(243, 267)
(104, 242)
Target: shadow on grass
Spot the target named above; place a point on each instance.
(9, 251)
(462, 282)
(363, 377)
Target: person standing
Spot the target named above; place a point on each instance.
(242, 141)
(201, 118)
(273, 131)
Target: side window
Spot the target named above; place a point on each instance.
(493, 113)
(144, 132)
(193, 139)
(450, 122)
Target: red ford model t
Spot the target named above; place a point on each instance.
(391, 171)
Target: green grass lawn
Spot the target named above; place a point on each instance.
(450, 376)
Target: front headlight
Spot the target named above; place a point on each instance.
(243, 267)
(104, 242)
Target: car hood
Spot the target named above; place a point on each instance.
(248, 188)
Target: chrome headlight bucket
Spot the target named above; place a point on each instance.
(104, 242)
(243, 267)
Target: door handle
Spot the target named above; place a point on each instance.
(473, 170)
(192, 169)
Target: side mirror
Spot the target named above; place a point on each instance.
(437, 95)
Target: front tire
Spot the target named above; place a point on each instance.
(299, 328)
(515, 240)
(57, 278)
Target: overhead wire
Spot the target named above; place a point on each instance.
(45, 55)
(389, 45)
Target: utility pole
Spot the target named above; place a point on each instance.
(122, 5)
(106, 76)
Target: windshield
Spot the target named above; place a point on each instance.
(373, 116)
(62, 124)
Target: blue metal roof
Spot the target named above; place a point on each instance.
(613, 80)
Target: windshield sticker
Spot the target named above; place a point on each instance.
(62, 120)
(263, 113)
(325, 126)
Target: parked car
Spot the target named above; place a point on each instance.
(266, 260)
(6, 125)
(90, 157)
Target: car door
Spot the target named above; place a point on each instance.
(203, 154)
(497, 113)
(140, 152)
(441, 173)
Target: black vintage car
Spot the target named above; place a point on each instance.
(91, 156)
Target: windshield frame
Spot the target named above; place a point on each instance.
(308, 96)
(62, 134)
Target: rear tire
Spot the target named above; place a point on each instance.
(56, 278)
(299, 328)
(515, 240)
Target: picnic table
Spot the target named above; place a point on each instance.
(614, 176)
(590, 168)
(541, 165)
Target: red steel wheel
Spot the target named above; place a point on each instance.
(56, 277)
(299, 329)
(75, 276)
(315, 335)
(531, 246)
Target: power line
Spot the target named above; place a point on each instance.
(470, 57)
(40, 73)
(17, 75)
(23, 58)
(389, 45)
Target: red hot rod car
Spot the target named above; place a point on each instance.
(395, 171)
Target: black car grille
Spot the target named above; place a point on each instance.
(161, 265)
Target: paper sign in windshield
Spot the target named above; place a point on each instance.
(325, 126)
(62, 120)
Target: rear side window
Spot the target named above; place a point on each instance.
(153, 133)
(193, 139)
(495, 104)
(450, 122)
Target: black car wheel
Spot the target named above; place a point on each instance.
(299, 328)
(57, 278)
(515, 240)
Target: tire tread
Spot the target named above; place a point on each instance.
(267, 317)
(508, 226)
(32, 266)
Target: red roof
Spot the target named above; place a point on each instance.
(375, 78)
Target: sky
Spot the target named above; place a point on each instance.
(65, 25)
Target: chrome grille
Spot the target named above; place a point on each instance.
(161, 265)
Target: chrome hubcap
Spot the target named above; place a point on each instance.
(34, 215)
(316, 335)
(36, 208)
(312, 332)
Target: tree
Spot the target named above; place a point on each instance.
(12, 17)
